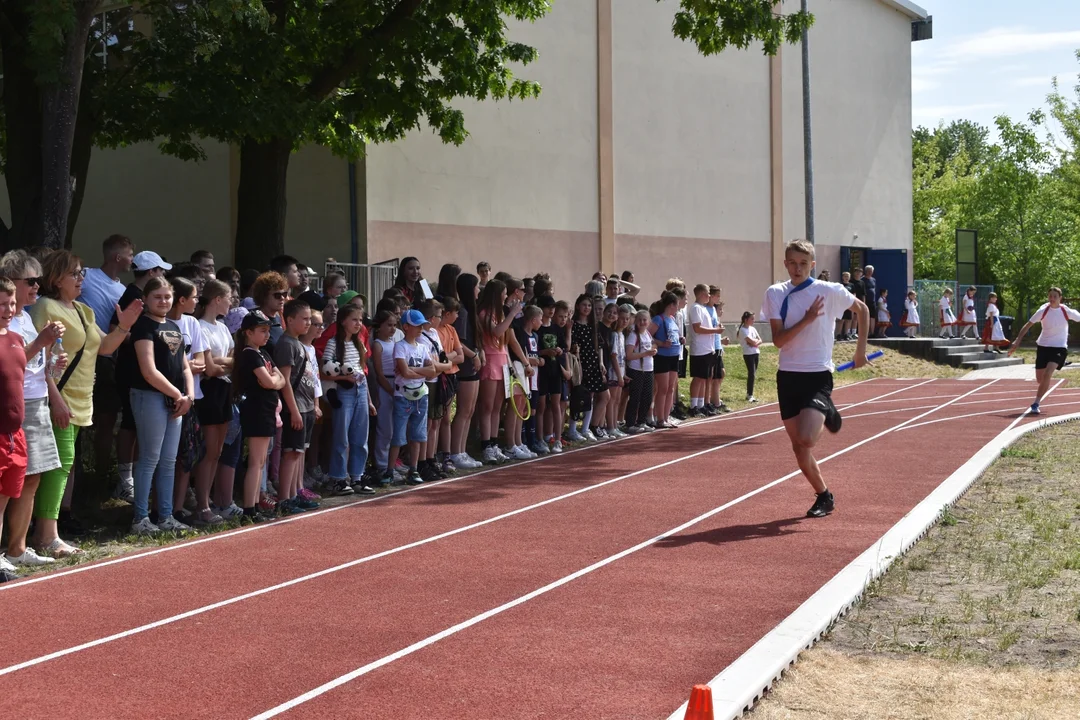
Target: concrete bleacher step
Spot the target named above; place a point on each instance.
(964, 353)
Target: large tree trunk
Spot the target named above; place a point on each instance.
(260, 202)
(60, 107)
(81, 150)
(22, 111)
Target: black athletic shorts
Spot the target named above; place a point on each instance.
(1046, 355)
(296, 440)
(847, 315)
(107, 399)
(702, 367)
(718, 364)
(800, 390)
(683, 362)
(665, 364)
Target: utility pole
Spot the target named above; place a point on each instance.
(808, 154)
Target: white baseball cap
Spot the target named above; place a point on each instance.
(148, 260)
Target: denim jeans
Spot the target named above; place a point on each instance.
(348, 454)
(158, 436)
(384, 431)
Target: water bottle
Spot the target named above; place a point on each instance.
(54, 372)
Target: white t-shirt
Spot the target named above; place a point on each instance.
(810, 350)
(415, 355)
(1055, 325)
(701, 343)
(194, 342)
(633, 344)
(218, 338)
(34, 385)
(749, 333)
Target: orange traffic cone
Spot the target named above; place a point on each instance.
(700, 706)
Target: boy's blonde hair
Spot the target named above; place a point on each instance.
(801, 246)
(531, 312)
(673, 283)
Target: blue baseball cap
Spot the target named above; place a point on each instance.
(414, 317)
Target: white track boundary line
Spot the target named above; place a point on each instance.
(743, 683)
(47, 576)
(1025, 391)
(369, 558)
(476, 619)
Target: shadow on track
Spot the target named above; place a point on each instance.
(734, 533)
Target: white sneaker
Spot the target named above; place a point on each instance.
(540, 448)
(588, 436)
(125, 490)
(528, 450)
(502, 454)
(145, 527)
(518, 453)
(491, 455)
(573, 435)
(617, 433)
(7, 566)
(29, 558)
(171, 524)
(556, 447)
(229, 513)
(751, 399)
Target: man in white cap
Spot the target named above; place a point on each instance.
(145, 265)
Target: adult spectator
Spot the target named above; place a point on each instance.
(101, 290)
(204, 261)
(270, 291)
(287, 266)
(844, 327)
(71, 400)
(870, 288)
(25, 272)
(146, 265)
(408, 280)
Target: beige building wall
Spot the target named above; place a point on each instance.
(692, 163)
(860, 60)
(521, 192)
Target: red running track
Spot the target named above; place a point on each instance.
(602, 583)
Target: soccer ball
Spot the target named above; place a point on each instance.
(331, 367)
(347, 370)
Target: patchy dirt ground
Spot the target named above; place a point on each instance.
(980, 620)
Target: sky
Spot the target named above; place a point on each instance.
(992, 57)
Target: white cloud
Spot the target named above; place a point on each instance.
(1000, 42)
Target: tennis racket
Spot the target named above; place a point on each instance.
(517, 380)
(849, 365)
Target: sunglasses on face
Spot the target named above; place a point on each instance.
(31, 280)
(280, 295)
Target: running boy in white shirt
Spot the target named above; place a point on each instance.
(1053, 342)
(802, 313)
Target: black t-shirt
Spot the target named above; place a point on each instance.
(552, 337)
(856, 288)
(261, 399)
(127, 365)
(168, 344)
(529, 342)
(467, 335)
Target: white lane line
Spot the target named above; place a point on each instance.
(368, 558)
(476, 619)
(989, 412)
(1025, 391)
(1028, 411)
(46, 577)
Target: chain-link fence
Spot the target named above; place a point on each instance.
(371, 281)
(929, 293)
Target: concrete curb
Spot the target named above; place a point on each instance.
(746, 680)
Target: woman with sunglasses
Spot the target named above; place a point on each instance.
(71, 399)
(25, 272)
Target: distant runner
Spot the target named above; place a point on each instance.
(1053, 342)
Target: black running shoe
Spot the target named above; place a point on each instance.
(413, 478)
(822, 506)
(833, 421)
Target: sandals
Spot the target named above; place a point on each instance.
(207, 517)
(59, 549)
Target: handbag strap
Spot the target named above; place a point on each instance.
(78, 356)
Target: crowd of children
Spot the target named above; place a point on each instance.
(197, 372)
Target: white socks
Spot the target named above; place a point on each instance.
(124, 469)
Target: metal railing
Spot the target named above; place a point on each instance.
(370, 280)
(929, 293)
